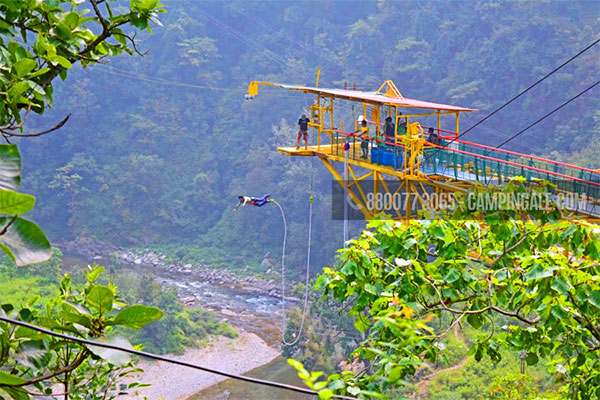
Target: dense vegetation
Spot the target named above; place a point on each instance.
(41, 41)
(144, 160)
(157, 149)
(34, 364)
(180, 327)
(525, 282)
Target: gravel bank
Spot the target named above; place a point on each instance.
(172, 382)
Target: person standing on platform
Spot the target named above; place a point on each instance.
(302, 131)
(364, 138)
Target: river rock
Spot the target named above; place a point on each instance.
(187, 301)
(138, 261)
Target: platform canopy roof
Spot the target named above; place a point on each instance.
(374, 97)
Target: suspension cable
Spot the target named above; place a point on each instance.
(546, 116)
(525, 91)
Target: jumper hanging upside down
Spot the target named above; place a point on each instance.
(254, 201)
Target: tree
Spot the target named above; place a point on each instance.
(33, 364)
(40, 41)
(533, 268)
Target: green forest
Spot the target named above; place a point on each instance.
(147, 138)
(146, 162)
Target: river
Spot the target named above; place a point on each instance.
(253, 312)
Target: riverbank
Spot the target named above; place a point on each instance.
(255, 315)
(100, 252)
(240, 355)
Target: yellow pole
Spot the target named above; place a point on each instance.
(457, 124)
(376, 177)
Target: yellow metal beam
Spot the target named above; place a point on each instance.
(253, 87)
(355, 182)
(351, 194)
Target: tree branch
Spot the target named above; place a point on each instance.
(3, 231)
(83, 354)
(132, 40)
(57, 126)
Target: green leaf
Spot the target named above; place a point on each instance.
(362, 323)
(452, 276)
(101, 298)
(370, 289)
(59, 60)
(349, 267)
(63, 62)
(17, 89)
(537, 272)
(33, 300)
(568, 232)
(72, 20)
(10, 167)
(16, 49)
(337, 384)
(16, 394)
(116, 357)
(325, 394)
(354, 390)
(594, 299)
(94, 274)
(136, 316)
(8, 379)
(63, 31)
(532, 358)
(475, 320)
(15, 203)
(23, 67)
(23, 332)
(492, 219)
(319, 385)
(76, 318)
(561, 285)
(24, 242)
(395, 374)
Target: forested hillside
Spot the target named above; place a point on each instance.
(158, 148)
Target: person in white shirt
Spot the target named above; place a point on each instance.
(253, 201)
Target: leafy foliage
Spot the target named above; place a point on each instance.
(37, 363)
(541, 273)
(181, 327)
(42, 40)
(39, 41)
(170, 155)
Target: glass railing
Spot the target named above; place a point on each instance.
(481, 167)
(531, 161)
(470, 162)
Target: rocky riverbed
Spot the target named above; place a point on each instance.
(203, 272)
(248, 302)
(102, 252)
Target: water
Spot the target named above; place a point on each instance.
(254, 312)
(277, 370)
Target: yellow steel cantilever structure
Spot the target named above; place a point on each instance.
(408, 165)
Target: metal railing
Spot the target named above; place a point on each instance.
(478, 163)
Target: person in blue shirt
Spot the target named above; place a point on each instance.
(302, 131)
